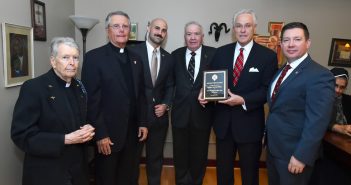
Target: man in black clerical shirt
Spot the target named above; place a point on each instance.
(113, 77)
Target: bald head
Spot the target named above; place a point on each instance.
(157, 32)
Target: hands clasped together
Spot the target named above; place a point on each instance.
(82, 135)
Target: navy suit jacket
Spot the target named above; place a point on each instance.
(300, 114)
(185, 102)
(246, 125)
(162, 92)
(108, 96)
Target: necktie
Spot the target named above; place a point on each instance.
(191, 66)
(279, 81)
(239, 65)
(154, 63)
(340, 117)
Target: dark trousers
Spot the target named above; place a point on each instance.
(249, 156)
(118, 167)
(154, 152)
(190, 148)
(278, 173)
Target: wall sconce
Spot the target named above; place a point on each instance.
(84, 24)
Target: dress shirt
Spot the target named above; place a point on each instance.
(150, 50)
(246, 52)
(197, 60)
(293, 65)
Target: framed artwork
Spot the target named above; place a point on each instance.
(18, 54)
(38, 20)
(340, 53)
(133, 31)
(272, 41)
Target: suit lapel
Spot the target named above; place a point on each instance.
(162, 70)
(145, 57)
(82, 100)
(135, 62)
(203, 63)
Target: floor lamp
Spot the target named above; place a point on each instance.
(84, 24)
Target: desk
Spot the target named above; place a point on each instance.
(338, 147)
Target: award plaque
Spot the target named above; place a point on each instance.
(215, 85)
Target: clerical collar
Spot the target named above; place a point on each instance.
(62, 82)
(116, 49)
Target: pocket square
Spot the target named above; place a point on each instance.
(252, 69)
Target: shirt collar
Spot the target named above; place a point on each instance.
(188, 51)
(297, 62)
(149, 47)
(247, 47)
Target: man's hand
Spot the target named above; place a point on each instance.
(233, 99)
(142, 134)
(343, 129)
(201, 99)
(82, 135)
(160, 109)
(295, 166)
(104, 146)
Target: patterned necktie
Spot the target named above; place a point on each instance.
(340, 117)
(239, 65)
(191, 66)
(279, 81)
(154, 64)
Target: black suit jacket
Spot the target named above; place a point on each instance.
(185, 102)
(108, 98)
(41, 118)
(261, 64)
(162, 92)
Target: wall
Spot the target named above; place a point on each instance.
(324, 18)
(18, 12)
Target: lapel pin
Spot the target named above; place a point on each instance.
(134, 61)
(53, 97)
(50, 86)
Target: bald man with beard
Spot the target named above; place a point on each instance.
(158, 91)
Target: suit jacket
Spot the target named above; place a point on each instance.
(108, 96)
(346, 106)
(41, 118)
(246, 125)
(185, 102)
(162, 92)
(300, 114)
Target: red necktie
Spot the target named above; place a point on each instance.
(279, 81)
(239, 65)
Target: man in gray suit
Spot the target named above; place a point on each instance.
(158, 80)
(191, 123)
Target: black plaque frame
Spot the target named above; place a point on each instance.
(215, 85)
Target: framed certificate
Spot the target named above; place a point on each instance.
(215, 85)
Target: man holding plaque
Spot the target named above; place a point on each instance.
(239, 120)
(191, 123)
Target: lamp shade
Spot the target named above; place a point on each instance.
(82, 22)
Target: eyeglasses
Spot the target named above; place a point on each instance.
(67, 58)
(240, 26)
(118, 27)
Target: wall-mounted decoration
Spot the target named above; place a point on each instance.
(133, 31)
(18, 54)
(340, 53)
(272, 41)
(217, 29)
(38, 20)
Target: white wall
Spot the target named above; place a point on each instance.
(18, 12)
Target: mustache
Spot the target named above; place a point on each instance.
(158, 35)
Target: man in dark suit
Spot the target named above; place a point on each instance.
(341, 116)
(191, 123)
(49, 122)
(158, 79)
(300, 99)
(239, 120)
(113, 76)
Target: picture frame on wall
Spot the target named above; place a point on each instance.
(18, 54)
(133, 31)
(38, 20)
(340, 53)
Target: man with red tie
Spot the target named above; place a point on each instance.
(239, 120)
